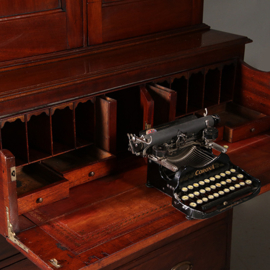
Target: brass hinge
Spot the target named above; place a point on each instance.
(13, 173)
(12, 235)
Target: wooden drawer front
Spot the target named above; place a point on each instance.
(43, 196)
(89, 173)
(204, 249)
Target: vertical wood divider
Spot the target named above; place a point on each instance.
(74, 123)
(203, 93)
(26, 137)
(51, 133)
(220, 68)
(234, 79)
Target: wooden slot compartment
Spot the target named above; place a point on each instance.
(129, 115)
(63, 129)
(39, 136)
(212, 87)
(37, 186)
(13, 135)
(82, 165)
(180, 85)
(227, 82)
(106, 123)
(165, 103)
(195, 92)
(85, 123)
(238, 121)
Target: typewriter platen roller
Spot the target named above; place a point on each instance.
(181, 164)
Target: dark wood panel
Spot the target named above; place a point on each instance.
(108, 69)
(49, 34)
(126, 19)
(253, 88)
(16, 7)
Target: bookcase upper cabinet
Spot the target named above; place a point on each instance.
(34, 27)
(110, 20)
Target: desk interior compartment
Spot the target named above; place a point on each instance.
(85, 121)
(238, 121)
(14, 138)
(134, 113)
(82, 165)
(37, 186)
(63, 128)
(164, 103)
(39, 135)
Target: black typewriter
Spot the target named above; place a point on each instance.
(181, 164)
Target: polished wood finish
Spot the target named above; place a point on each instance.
(50, 27)
(83, 75)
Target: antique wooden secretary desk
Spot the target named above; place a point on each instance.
(72, 84)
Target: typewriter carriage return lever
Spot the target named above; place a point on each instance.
(181, 164)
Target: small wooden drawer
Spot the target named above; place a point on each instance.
(82, 165)
(91, 172)
(238, 121)
(38, 186)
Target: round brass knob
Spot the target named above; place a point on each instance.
(39, 200)
(183, 266)
(91, 174)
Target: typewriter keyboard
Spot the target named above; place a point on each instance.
(215, 189)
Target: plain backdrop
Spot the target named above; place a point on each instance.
(251, 220)
(249, 18)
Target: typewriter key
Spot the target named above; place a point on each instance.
(190, 187)
(184, 189)
(242, 184)
(202, 183)
(234, 178)
(185, 198)
(213, 187)
(237, 186)
(191, 196)
(206, 181)
(226, 190)
(221, 193)
(233, 170)
(248, 182)
(232, 188)
(222, 174)
(204, 199)
(223, 183)
(240, 176)
(196, 185)
(197, 193)
(202, 191)
(199, 201)
(216, 195)
(228, 172)
(228, 181)
(193, 204)
(211, 197)
(208, 189)
(218, 185)
(217, 177)
(212, 179)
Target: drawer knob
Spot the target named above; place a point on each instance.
(91, 173)
(183, 266)
(39, 200)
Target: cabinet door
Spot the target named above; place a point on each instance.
(33, 27)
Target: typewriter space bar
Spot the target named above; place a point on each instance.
(228, 197)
